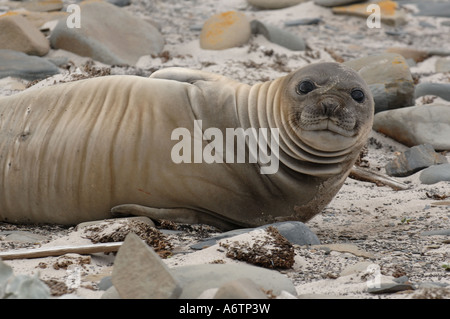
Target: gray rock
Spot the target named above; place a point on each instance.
(24, 237)
(278, 36)
(20, 65)
(439, 232)
(435, 174)
(139, 273)
(413, 160)
(335, 3)
(434, 9)
(120, 3)
(389, 287)
(274, 4)
(305, 21)
(108, 34)
(389, 78)
(437, 89)
(105, 283)
(415, 125)
(196, 279)
(19, 34)
(297, 233)
(242, 288)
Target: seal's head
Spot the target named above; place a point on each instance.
(328, 106)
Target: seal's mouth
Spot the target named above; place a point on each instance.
(331, 126)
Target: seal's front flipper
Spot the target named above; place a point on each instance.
(187, 75)
(177, 215)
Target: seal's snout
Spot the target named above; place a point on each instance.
(329, 106)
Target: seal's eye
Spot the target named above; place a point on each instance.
(305, 87)
(358, 95)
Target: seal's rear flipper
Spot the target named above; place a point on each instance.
(177, 215)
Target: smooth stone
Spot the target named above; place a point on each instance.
(297, 233)
(413, 160)
(20, 65)
(443, 65)
(139, 273)
(38, 19)
(335, 3)
(434, 9)
(441, 90)
(196, 279)
(356, 268)
(389, 11)
(242, 288)
(111, 293)
(120, 3)
(439, 232)
(415, 125)
(278, 36)
(388, 77)
(43, 5)
(225, 30)
(18, 34)
(105, 283)
(108, 34)
(435, 174)
(274, 4)
(305, 21)
(409, 53)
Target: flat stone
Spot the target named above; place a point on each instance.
(38, 19)
(274, 4)
(389, 11)
(196, 279)
(43, 5)
(410, 53)
(20, 65)
(139, 273)
(297, 233)
(439, 232)
(435, 174)
(413, 160)
(415, 125)
(278, 36)
(335, 3)
(389, 287)
(108, 34)
(19, 34)
(242, 288)
(434, 9)
(225, 30)
(388, 77)
(24, 237)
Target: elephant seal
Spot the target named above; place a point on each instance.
(99, 147)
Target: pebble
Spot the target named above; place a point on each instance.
(415, 125)
(346, 248)
(389, 78)
(390, 13)
(297, 233)
(196, 279)
(389, 287)
(225, 30)
(120, 3)
(274, 4)
(413, 160)
(441, 90)
(139, 273)
(21, 65)
(109, 34)
(278, 36)
(435, 174)
(442, 232)
(19, 34)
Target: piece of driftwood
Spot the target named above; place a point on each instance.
(60, 250)
(377, 178)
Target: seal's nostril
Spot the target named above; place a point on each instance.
(329, 106)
